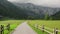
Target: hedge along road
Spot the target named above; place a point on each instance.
(24, 28)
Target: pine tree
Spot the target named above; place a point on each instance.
(46, 16)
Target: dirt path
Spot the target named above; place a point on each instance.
(24, 28)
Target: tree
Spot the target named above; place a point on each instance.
(46, 16)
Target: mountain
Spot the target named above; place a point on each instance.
(25, 10)
(36, 8)
(8, 9)
(56, 16)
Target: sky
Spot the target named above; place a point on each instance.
(49, 3)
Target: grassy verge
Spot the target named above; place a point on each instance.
(13, 25)
(38, 30)
(48, 23)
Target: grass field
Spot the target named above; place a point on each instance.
(38, 30)
(48, 23)
(13, 24)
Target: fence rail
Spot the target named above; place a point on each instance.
(43, 28)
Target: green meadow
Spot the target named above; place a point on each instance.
(13, 25)
(49, 24)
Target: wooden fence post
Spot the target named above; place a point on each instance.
(2, 29)
(36, 25)
(43, 28)
(8, 27)
(55, 30)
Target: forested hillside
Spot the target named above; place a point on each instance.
(25, 11)
(56, 16)
(37, 8)
(8, 9)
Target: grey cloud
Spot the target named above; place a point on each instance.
(50, 3)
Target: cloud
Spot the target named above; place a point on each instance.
(50, 3)
(18, 0)
(46, 2)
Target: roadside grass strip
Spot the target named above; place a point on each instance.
(38, 30)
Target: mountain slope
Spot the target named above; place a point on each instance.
(36, 8)
(40, 10)
(8, 9)
(56, 16)
(25, 10)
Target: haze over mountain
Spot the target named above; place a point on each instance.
(48, 3)
(8, 9)
(50, 6)
(36, 8)
(39, 5)
(25, 10)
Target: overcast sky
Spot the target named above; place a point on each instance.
(50, 3)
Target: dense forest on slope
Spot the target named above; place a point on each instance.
(56, 16)
(25, 11)
(37, 8)
(8, 9)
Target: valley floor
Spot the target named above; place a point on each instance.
(24, 28)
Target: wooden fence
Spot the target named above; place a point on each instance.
(46, 29)
(2, 28)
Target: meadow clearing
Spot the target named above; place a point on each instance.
(13, 25)
(48, 24)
